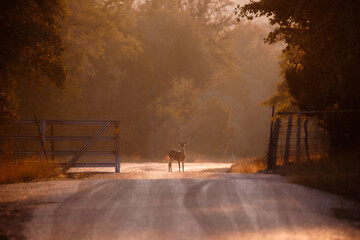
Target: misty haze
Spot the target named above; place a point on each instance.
(185, 119)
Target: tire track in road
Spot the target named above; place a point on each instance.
(127, 209)
(216, 209)
(263, 205)
(128, 218)
(279, 210)
(161, 214)
(77, 216)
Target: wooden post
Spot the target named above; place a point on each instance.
(275, 143)
(306, 140)
(117, 147)
(298, 133)
(43, 139)
(331, 132)
(287, 143)
(52, 143)
(270, 140)
(41, 130)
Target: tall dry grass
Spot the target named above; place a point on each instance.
(28, 169)
(248, 165)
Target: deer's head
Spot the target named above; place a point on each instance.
(182, 144)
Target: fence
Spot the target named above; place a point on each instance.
(42, 138)
(301, 136)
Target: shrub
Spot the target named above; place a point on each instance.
(248, 165)
(28, 169)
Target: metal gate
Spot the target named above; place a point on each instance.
(43, 137)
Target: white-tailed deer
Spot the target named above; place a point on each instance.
(178, 156)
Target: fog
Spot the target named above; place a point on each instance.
(169, 71)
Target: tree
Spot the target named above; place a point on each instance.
(214, 133)
(250, 79)
(123, 60)
(326, 69)
(154, 66)
(30, 48)
(282, 100)
(182, 48)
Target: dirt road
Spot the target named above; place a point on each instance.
(146, 202)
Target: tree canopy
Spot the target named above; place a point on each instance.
(323, 48)
(30, 47)
(325, 68)
(168, 70)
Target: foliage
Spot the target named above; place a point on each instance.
(30, 47)
(154, 65)
(249, 80)
(28, 169)
(127, 63)
(214, 126)
(325, 70)
(282, 100)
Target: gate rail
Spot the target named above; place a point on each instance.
(42, 138)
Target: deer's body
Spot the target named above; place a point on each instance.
(177, 156)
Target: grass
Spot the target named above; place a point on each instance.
(339, 174)
(248, 165)
(28, 169)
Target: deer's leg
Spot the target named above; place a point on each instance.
(183, 165)
(170, 168)
(179, 165)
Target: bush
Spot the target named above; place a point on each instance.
(28, 169)
(248, 165)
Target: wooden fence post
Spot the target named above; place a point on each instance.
(298, 133)
(287, 143)
(117, 147)
(306, 140)
(41, 127)
(52, 142)
(43, 130)
(275, 143)
(270, 139)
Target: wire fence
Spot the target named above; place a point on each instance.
(310, 135)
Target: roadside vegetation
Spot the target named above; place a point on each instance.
(320, 71)
(248, 165)
(25, 170)
(339, 174)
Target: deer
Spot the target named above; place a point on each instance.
(178, 156)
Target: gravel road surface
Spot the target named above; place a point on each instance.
(147, 202)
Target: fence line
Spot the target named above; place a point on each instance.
(300, 138)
